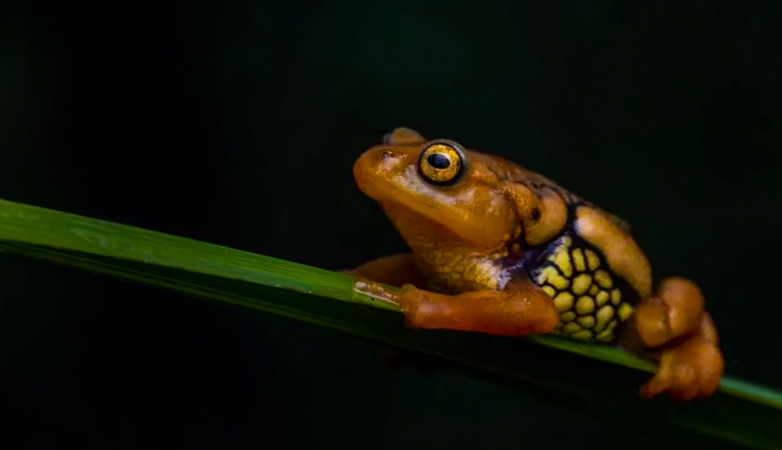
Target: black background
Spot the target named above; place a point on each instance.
(238, 122)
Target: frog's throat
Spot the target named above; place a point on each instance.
(476, 231)
(421, 228)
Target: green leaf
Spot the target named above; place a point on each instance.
(591, 379)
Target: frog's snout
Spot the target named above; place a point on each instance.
(379, 161)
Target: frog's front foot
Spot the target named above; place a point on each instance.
(674, 324)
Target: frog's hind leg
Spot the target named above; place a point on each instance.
(673, 325)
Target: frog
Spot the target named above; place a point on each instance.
(499, 249)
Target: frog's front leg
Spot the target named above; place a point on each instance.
(395, 270)
(673, 323)
(520, 309)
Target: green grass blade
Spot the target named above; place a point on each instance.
(591, 379)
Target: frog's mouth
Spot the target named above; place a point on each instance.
(388, 176)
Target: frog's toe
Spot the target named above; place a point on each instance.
(421, 308)
(690, 370)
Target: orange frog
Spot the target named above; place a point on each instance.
(499, 249)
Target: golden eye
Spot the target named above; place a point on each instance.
(441, 163)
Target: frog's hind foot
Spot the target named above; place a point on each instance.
(675, 327)
(689, 368)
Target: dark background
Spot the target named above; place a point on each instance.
(238, 122)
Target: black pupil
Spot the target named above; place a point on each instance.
(439, 161)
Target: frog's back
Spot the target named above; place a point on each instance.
(595, 298)
(508, 170)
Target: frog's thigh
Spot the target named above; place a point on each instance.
(622, 253)
(520, 309)
(396, 270)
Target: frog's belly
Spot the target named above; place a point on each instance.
(594, 303)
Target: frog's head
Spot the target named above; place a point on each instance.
(440, 191)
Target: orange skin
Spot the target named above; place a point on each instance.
(461, 231)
